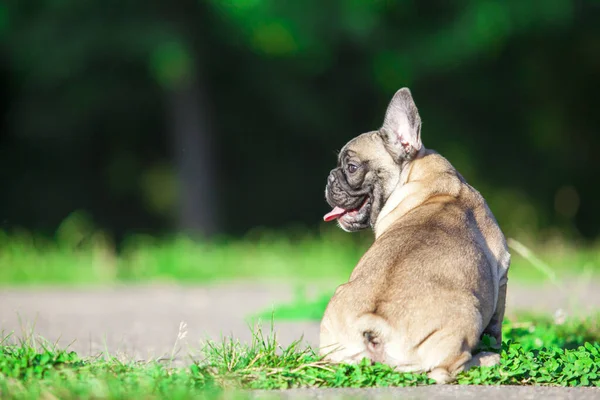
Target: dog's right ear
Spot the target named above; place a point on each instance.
(401, 130)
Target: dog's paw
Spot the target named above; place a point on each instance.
(483, 359)
(489, 359)
(441, 376)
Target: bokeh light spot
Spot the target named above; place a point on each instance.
(274, 38)
(171, 63)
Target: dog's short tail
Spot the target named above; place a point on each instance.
(375, 331)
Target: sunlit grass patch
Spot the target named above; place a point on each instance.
(30, 260)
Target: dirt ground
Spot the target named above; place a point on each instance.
(142, 323)
(449, 392)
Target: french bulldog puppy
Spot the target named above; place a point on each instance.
(434, 280)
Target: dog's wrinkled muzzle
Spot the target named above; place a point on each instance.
(340, 194)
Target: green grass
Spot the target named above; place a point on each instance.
(91, 258)
(301, 308)
(537, 351)
(80, 255)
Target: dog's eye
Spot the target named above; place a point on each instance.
(351, 168)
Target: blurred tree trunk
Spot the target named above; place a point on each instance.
(190, 132)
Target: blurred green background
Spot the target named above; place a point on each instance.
(126, 121)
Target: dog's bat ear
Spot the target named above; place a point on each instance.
(401, 128)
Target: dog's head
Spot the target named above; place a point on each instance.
(369, 166)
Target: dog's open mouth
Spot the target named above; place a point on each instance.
(339, 212)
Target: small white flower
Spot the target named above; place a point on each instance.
(560, 316)
(182, 330)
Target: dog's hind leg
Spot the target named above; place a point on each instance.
(445, 354)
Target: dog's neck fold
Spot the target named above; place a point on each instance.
(400, 193)
(407, 166)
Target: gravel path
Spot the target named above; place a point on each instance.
(142, 322)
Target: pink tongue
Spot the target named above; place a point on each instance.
(334, 214)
